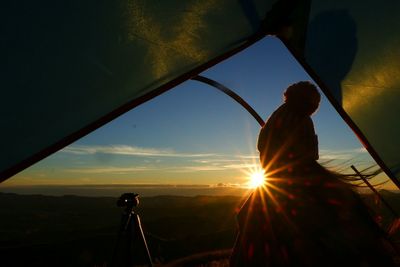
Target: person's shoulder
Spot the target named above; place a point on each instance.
(308, 121)
(279, 112)
(281, 108)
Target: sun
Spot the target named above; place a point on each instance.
(257, 179)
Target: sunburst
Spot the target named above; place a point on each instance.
(257, 179)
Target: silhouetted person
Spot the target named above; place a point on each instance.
(305, 215)
(288, 136)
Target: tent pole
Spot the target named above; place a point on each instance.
(232, 94)
(300, 59)
(394, 213)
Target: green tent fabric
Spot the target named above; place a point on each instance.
(70, 66)
(354, 50)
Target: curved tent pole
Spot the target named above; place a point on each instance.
(4, 175)
(232, 94)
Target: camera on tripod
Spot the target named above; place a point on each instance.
(128, 200)
(131, 247)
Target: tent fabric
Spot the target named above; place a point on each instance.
(68, 64)
(354, 49)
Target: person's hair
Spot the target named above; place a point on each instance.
(303, 96)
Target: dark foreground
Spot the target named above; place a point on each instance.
(40, 230)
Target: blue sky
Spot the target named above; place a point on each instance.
(194, 134)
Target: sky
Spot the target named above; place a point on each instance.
(196, 135)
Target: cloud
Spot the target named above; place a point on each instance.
(344, 154)
(242, 166)
(197, 168)
(249, 156)
(226, 185)
(362, 150)
(188, 162)
(216, 160)
(195, 162)
(128, 151)
(108, 170)
(214, 167)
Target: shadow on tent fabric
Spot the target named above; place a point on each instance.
(331, 46)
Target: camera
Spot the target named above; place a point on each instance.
(128, 200)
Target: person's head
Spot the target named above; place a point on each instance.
(303, 96)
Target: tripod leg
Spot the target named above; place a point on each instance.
(123, 229)
(142, 239)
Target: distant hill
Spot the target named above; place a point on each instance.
(81, 231)
(145, 190)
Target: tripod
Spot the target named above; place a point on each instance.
(130, 239)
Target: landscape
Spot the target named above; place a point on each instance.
(82, 231)
(69, 230)
(192, 105)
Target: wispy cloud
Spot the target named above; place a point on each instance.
(198, 168)
(218, 160)
(344, 154)
(129, 151)
(241, 166)
(214, 167)
(176, 169)
(235, 185)
(249, 156)
(192, 162)
(188, 162)
(108, 170)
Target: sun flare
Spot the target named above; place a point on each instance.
(257, 179)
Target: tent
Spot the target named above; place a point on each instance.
(70, 66)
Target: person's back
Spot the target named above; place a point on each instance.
(304, 215)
